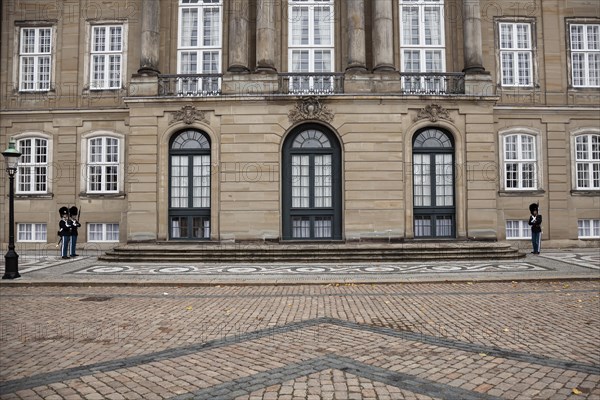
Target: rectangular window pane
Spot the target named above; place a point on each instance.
(300, 182)
(300, 227)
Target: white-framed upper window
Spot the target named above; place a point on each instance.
(35, 59)
(588, 228)
(585, 54)
(200, 44)
(103, 232)
(32, 174)
(516, 53)
(520, 162)
(422, 36)
(27, 232)
(103, 165)
(587, 161)
(106, 57)
(517, 229)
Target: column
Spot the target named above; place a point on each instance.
(472, 37)
(357, 59)
(238, 36)
(150, 37)
(383, 36)
(265, 36)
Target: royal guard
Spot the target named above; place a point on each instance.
(64, 231)
(535, 220)
(74, 216)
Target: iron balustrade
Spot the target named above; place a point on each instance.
(311, 83)
(190, 85)
(432, 83)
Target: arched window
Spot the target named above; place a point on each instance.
(189, 186)
(433, 184)
(311, 185)
(587, 162)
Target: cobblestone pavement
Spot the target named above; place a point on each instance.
(519, 340)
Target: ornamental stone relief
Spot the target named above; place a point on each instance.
(433, 113)
(188, 115)
(310, 108)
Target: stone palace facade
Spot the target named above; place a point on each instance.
(302, 120)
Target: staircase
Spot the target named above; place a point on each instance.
(177, 252)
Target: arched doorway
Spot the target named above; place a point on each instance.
(189, 186)
(433, 184)
(312, 185)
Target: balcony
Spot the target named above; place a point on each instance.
(431, 83)
(190, 85)
(301, 84)
(307, 83)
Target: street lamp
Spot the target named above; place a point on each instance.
(11, 156)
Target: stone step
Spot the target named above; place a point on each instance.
(310, 253)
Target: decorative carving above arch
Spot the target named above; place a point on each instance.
(188, 115)
(310, 108)
(433, 113)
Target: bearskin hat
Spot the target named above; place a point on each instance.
(73, 211)
(533, 207)
(63, 211)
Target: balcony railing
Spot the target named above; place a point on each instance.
(190, 85)
(431, 83)
(311, 83)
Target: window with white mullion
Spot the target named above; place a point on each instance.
(585, 55)
(106, 57)
(516, 54)
(32, 175)
(520, 164)
(102, 232)
(200, 45)
(587, 161)
(310, 43)
(103, 165)
(588, 228)
(35, 58)
(517, 229)
(27, 232)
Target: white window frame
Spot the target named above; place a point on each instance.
(308, 83)
(519, 78)
(38, 232)
(103, 232)
(38, 56)
(106, 54)
(524, 230)
(520, 161)
(206, 85)
(120, 163)
(33, 165)
(591, 163)
(593, 225)
(590, 53)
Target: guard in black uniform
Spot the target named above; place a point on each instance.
(73, 212)
(535, 220)
(64, 231)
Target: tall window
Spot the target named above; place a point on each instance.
(106, 57)
(520, 164)
(312, 185)
(585, 55)
(200, 45)
(35, 57)
(422, 42)
(516, 54)
(103, 165)
(33, 166)
(587, 161)
(311, 43)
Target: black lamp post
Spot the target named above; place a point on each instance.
(11, 269)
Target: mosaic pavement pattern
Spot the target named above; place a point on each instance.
(224, 270)
(587, 260)
(426, 341)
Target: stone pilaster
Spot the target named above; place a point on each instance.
(383, 36)
(355, 15)
(265, 36)
(150, 37)
(238, 37)
(472, 37)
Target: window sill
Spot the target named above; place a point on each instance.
(120, 195)
(518, 193)
(40, 196)
(585, 193)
